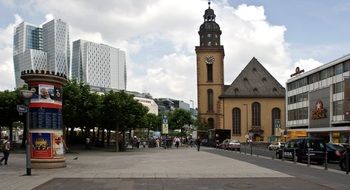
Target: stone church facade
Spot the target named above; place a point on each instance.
(253, 106)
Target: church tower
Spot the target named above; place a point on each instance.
(210, 71)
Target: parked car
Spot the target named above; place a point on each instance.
(276, 145)
(334, 152)
(345, 145)
(234, 145)
(300, 146)
(224, 144)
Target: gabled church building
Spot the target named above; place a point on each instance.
(252, 107)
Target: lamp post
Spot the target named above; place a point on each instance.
(246, 108)
(27, 95)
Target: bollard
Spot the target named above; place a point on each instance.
(251, 149)
(282, 154)
(294, 156)
(308, 157)
(273, 154)
(245, 149)
(347, 161)
(326, 161)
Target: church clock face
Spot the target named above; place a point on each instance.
(209, 60)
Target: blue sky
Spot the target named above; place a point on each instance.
(159, 36)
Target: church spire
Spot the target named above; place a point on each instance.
(209, 31)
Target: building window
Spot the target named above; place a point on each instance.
(276, 114)
(298, 114)
(338, 107)
(338, 87)
(346, 66)
(209, 43)
(236, 121)
(209, 35)
(211, 123)
(256, 114)
(210, 100)
(338, 69)
(298, 98)
(210, 72)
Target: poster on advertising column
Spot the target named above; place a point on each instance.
(41, 145)
(57, 144)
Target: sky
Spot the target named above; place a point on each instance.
(159, 36)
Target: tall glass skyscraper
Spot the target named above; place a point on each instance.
(98, 65)
(56, 44)
(36, 48)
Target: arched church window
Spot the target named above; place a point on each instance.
(276, 114)
(211, 123)
(210, 100)
(236, 121)
(256, 118)
(209, 72)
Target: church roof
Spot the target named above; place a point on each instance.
(254, 81)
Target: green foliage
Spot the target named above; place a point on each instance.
(200, 126)
(179, 118)
(8, 107)
(119, 108)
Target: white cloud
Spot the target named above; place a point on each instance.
(6, 63)
(307, 64)
(159, 37)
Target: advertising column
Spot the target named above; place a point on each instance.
(46, 127)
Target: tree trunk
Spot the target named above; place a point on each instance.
(108, 137)
(103, 138)
(148, 133)
(116, 138)
(98, 135)
(93, 135)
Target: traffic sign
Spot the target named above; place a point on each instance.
(165, 119)
(277, 123)
(22, 109)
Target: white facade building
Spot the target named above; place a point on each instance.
(56, 44)
(36, 48)
(27, 46)
(150, 103)
(99, 65)
(318, 102)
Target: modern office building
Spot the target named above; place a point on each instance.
(149, 103)
(144, 98)
(56, 44)
(36, 48)
(99, 65)
(27, 50)
(318, 102)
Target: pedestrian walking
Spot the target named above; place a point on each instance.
(87, 142)
(177, 142)
(6, 150)
(157, 142)
(198, 143)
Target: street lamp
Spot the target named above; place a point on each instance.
(246, 108)
(27, 95)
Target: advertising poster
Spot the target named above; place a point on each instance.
(57, 144)
(165, 129)
(41, 145)
(45, 93)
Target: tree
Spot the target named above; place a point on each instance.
(122, 111)
(179, 118)
(8, 108)
(152, 122)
